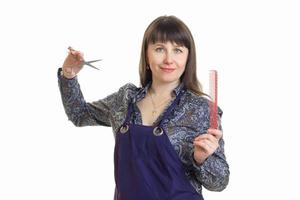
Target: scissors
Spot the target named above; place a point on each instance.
(87, 62)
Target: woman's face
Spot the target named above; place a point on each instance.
(167, 61)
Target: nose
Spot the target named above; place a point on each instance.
(168, 58)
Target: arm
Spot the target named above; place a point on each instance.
(77, 110)
(213, 173)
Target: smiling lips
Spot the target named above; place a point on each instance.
(167, 69)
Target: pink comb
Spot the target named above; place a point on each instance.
(213, 92)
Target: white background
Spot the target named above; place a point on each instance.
(254, 45)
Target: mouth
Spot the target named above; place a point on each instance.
(167, 69)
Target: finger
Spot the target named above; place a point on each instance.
(212, 145)
(77, 54)
(202, 145)
(200, 136)
(215, 132)
(206, 146)
(208, 142)
(206, 137)
(72, 51)
(70, 48)
(80, 56)
(197, 138)
(76, 57)
(212, 138)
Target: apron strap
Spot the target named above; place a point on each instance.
(172, 106)
(130, 110)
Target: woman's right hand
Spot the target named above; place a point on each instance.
(73, 63)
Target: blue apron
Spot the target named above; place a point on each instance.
(146, 165)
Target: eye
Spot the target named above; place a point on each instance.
(177, 50)
(159, 49)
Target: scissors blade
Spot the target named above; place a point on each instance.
(87, 63)
(93, 61)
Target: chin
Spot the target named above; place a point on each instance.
(170, 80)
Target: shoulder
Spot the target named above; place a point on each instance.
(200, 103)
(196, 100)
(127, 92)
(128, 88)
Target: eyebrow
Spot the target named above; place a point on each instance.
(163, 44)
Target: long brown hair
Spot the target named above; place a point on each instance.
(171, 29)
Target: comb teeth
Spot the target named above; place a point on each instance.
(213, 92)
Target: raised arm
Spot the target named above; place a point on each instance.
(78, 110)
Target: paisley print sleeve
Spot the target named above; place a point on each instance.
(82, 113)
(213, 174)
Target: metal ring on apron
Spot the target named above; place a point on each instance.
(124, 128)
(157, 131)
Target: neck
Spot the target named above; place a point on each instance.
(163, 89)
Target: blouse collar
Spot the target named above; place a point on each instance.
(143, 91)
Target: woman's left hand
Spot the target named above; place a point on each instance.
(206, 144)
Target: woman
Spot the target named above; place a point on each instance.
(164, 147)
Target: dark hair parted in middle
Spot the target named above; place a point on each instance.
(171, 29)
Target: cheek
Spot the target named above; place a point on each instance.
(153, 59)
(182, 63)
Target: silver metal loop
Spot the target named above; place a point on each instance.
(157, 131)
(124, 129)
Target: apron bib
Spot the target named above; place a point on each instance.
(146, 165)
